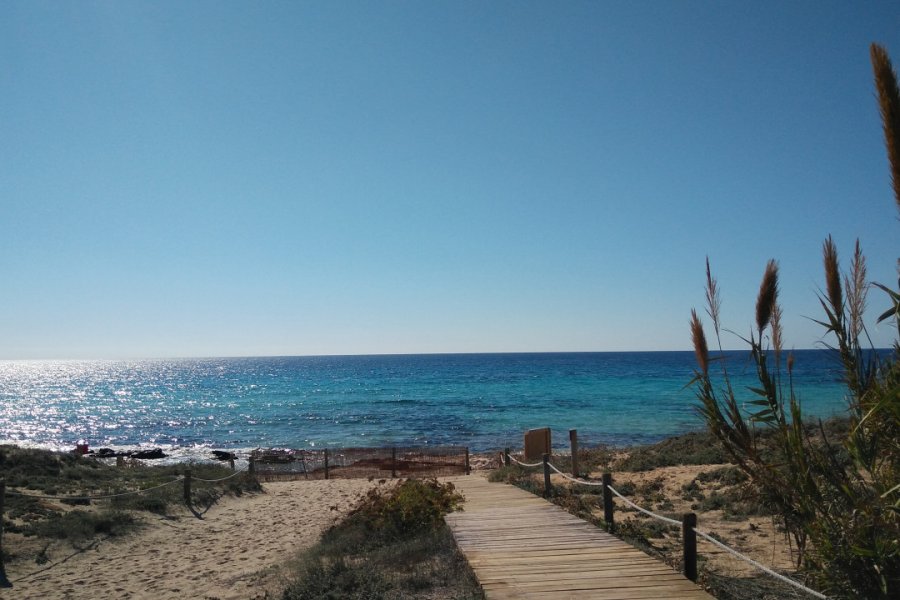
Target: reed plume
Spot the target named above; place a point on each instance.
(838, 498)
(889, 103)
(833, 277)
(857, 287)
(713, 302)
(768, 296)
(701, 350)
(777, 335)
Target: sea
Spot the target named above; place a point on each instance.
(188, 407)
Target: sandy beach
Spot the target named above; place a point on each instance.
(233, 552)
(239, 546)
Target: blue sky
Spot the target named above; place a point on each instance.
(234, 178)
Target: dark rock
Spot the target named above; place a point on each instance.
(223, 455)
(105, 453)
(148, 454)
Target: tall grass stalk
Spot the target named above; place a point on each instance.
(838, 498)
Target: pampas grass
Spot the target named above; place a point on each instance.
(768, 296)
(889, 105)
(701, 349)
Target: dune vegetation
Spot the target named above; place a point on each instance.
(838, 497)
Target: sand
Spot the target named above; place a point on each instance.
(239, 548)
(235, 551)
(755, 536)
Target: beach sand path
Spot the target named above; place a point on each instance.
(232, 552)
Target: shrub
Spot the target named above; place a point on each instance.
(510, 474)
(394, 544)
(692, 491)
(725, 475)
(402, 511)
(698, 448)
(626, 488)
(336, 580)
(78, 525)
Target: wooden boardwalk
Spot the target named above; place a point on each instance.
(522, 546)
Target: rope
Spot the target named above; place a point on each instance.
(570, 478)
(131, 493)
(762, 568)
(42, 497)
(521, 464)
(704, 535)
(644, 510)
(235, 474)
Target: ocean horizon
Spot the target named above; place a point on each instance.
(484, 401)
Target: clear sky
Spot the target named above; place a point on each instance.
(277, 178)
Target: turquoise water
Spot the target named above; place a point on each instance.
(484, 401)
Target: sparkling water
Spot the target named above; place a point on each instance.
(484, 401)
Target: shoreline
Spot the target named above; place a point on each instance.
(176, 453)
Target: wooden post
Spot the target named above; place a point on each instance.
(573, 442)
(120, 461)
(4, 582)
(468, 467)
(393, 462)
(251, 466)
(506, 457)
(546, 459)
(231, 462)
(326, 463)
(608, 502)
(187, 487)
(689, 538)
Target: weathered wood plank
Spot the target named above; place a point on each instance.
(521, 546)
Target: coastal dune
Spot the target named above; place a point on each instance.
(233, 551)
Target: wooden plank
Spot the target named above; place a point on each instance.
(521, 546)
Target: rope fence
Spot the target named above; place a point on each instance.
(104, 497)
(227, 477)
(688, 524)
(759, 566)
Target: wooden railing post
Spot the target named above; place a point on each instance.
(608, 502)
(468, 467)
(4, 582)
(251, 466)
(689, 538)
(231, 462)
(187, 487)
(393, 462)
(546, 459)
(506, 457)
(326, 463)
(120, 461)
(573, 442)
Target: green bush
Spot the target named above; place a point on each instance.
(698, 448)
(393, 545)
(336, 580)
(400, 512)
(78, 525)
(510, 474)
(725, 475)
